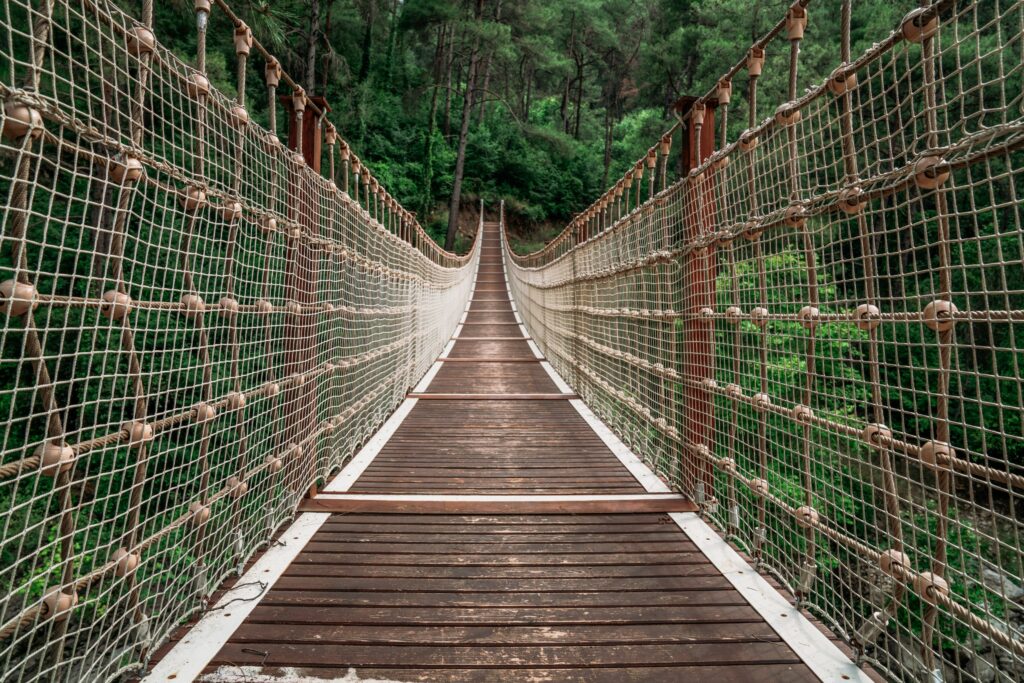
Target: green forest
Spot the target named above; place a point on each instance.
(545, 102)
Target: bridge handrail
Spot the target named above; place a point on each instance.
(195, 327)
(747, 327)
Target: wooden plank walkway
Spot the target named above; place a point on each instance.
(451, 556)
(510, 597)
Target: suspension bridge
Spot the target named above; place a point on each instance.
(260, 427)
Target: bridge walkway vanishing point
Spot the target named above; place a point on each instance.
(495, 530)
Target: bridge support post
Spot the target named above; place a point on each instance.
(312, 134)
(697, 355)
(305, 135)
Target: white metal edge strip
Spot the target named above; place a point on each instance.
(556, 378)
(357, 465)
(648, 479)
(447, 348)
(186, 660)
(812, 646)
(562, 385)
(428, 378)
(481, 498)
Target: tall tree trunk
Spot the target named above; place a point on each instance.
(529, 96)
(487, 68)
(312, 39)
(690, 72)
(389, 64)
(567, 86)
(364, 64)
(428, 146)
(522, 87)
(607, 144)
(450, 61)
(506, 86)
(563, 110)
(460, 156)
(483, 91)
(324, 75)
(579, 100)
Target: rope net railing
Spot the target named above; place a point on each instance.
(195, 327)
(812, 330)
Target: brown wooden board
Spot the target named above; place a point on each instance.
(496, 446)
(477, 596)
(490, 307)
(503, 317)
(494, 337)
(490, 360)
(494, 329)
(735, 673)
(492, 397)
(491, 349)
(563, 506)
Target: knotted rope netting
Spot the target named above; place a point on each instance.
(196, 327)
(813, 329)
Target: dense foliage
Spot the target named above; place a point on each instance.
(565, 95)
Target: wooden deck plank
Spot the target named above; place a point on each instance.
(397, 598)
(492, 397)
(283, 616)
(502, 317)
(506, 573)
(428, 537)
(494, 445)
(491, 307)
(504, 524)
(495, 470)
(589, 634)
(319, 581)
(493, 507)
(737, 673)
(496, 547)
(513, 656)
(474, 329)
(537, 560)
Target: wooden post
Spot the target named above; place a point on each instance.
(312, 139)
(698, 287)
(301, 283)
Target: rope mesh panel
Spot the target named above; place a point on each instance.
(195, 326)
(812, 331)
